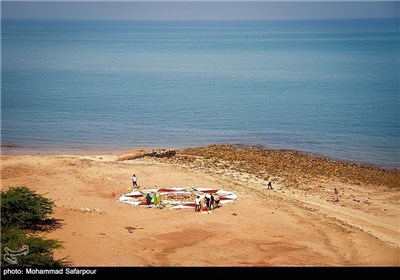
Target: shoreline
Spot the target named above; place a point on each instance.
(295, 223)
(18, 150)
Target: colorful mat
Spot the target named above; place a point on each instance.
(177, 197)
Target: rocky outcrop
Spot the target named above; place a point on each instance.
(140, 153)
(298, 169)
(162, 153)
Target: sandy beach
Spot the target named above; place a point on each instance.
(297, 223)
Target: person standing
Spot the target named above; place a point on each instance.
(202, 203)
(148, 200)
(159, 201)
(197, 202)
(212, 201)
(155, 199)
(207, 201)
(335, 195)
(269, 185)
(134, 181)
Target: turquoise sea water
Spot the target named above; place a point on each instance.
(325, 87)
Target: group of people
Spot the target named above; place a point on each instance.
(157, 200)
(208, 202)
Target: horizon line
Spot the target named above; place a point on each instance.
(281, 19)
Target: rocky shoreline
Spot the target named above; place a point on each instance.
(297, 169)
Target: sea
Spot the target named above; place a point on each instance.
(325, 87)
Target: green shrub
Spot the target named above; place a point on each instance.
(40, 249)
(22, 207)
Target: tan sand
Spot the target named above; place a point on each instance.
(295, 224)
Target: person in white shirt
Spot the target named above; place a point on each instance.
(197, 202)
(134, 180)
